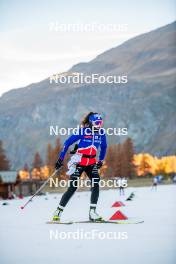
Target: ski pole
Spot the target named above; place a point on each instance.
(41, 187)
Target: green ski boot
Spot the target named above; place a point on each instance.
(57, 215)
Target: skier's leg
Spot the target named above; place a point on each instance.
(70, 191)
(73, 186)
(73, 182)
(92, 173)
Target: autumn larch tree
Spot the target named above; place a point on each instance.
(109, 161)
(50, 158)
(26, 167)
(37, 163)
(57, 149)
(52, 154)
(4, 162)
(128, 154)
(118, 161)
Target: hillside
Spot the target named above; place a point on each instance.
(145, 105)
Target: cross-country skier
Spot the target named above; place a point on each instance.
(122, 183)
(90, 138)
(155, 183)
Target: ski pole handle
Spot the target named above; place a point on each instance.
(41, 187)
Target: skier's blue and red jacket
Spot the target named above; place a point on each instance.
(88, 145)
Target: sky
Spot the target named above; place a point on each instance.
(41, 37)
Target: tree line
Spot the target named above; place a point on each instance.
(118, 161)
(121, 161)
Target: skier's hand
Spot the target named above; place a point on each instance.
(59, 164)
(99, 164)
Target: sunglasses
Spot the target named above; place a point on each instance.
(98, 123)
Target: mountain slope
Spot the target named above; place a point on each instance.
(145, 105)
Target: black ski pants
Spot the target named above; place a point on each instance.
(92, 173)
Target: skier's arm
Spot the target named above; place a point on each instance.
(103, 147)
(67, 144)
(72, 139)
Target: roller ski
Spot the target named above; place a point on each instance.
(118, 222)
